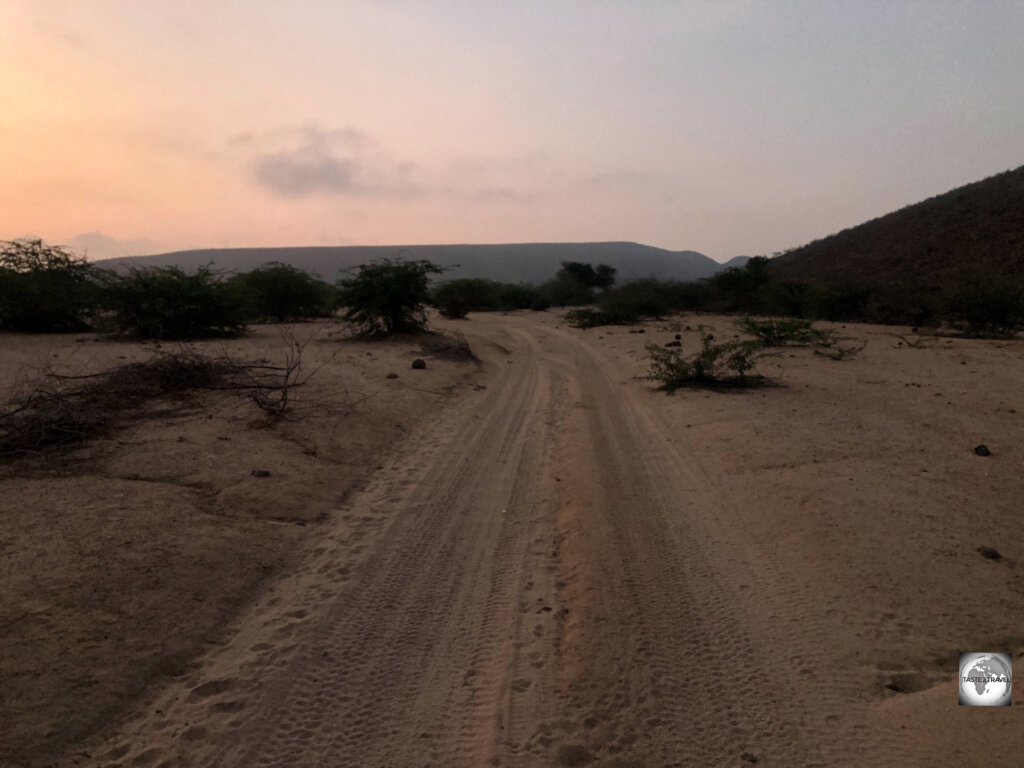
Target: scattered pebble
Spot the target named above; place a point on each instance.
(982, 450)
(260, 473)
(392, 375)
(419, 364)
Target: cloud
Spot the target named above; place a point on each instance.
(97, 246)
(341, 161)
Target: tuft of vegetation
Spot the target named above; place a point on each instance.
(838, 352)
(166, 303)
(786, 332)
(715, 366)
(44, 288)
(279, 293)
(388, 296)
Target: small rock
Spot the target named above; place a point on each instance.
(990, 553)
(641, 330)
(674, 344)
(982, 450)
(679, 336)
(419, 364)
(748, 757)
(392, 375)
(260, 473)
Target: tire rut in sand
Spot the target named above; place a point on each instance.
(664, 672)
(415, 665)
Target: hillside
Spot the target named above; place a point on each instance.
(530, 263)
(980, 224)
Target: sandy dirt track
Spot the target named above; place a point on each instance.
(568, 568)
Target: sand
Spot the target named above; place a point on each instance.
(547, 563)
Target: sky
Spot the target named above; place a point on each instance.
(729, 128)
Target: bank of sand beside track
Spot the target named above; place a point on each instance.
(568, 567)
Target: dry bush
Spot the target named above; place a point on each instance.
(450, 345)
(62, 410)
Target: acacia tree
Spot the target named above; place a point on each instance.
(280, 292)
(44, 288)
(389, 296)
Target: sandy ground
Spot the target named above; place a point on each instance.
(554, 565)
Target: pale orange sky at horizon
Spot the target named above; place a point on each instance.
(723, 127)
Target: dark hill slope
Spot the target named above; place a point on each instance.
(530, 263)
(978, 225)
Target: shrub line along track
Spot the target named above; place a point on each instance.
(545, 574)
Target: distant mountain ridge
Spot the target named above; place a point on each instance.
(512, 263)
(976, 225)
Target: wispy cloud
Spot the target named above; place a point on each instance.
(315, 161)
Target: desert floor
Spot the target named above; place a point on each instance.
(537, 560)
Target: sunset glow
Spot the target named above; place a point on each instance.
(724, 127)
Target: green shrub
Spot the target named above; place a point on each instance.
(44, 288)
(389, 296)
(840, 302)
(168, 303)
(566, 292)
(629, 303)
(739, 289)
(455, 298)
(788, 332)
(984, 303)
(513, 296)
(714, 366)
(279, 292)
(574, 283)
(689, 297)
